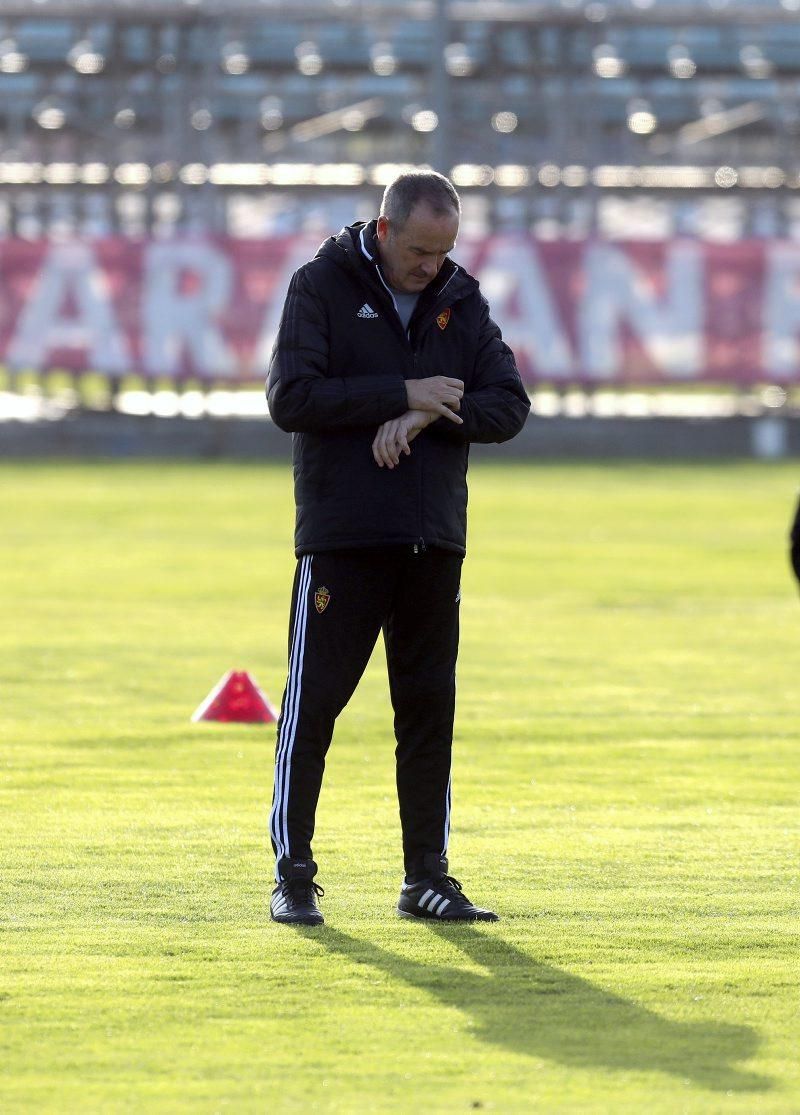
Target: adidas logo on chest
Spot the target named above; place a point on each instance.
(366, 311)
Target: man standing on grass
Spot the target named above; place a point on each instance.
(386, 366)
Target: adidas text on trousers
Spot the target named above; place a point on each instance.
(341, 601)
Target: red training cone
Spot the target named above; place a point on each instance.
(236, 698)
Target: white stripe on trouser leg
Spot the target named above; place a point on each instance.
(285, 718)
(288, 762)
(278, 828)
(289, 724)
(447, 804)
(293, 707)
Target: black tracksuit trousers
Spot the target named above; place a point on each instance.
(340, 602)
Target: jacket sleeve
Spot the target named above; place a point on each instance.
(495, 404)
(302, 393)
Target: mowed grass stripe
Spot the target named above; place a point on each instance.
(626, 792)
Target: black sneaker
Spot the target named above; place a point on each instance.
(440, 896)
(294, 900)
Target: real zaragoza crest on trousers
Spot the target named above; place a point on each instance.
(321, 599)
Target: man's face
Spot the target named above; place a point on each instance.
(412, 255)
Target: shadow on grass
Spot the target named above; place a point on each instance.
(538, 1010)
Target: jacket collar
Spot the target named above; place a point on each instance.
(367, 245)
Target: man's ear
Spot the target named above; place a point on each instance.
(382, 230)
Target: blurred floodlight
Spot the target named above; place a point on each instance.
(596, 12)
(549, 175)
(762, 177)
(653, 177)
(472, 174)
(725, 177)
(383, 173)
(12, 61)
(49, 115)
(754, 62)
(166, 63)
(642, 121)
(774, 396)
(309, 59)
(193, 174)
(85, 59)
(167, 208)
(201, 119)
(614, 176)
(607, 62)
(125, 118)
(511, 176)
(505, 122)
(271, 114)
(61, 174)
(425, 120)
(574, 175)
(95, 174)
(338, 174)
(235, 59)
(239, 174)
(457, 60)
(21, 174)
(164, 172)
(192, 404)
(680, 62)
(293, 174)
(674, 177)
(382, 59)
(353, 120)
(133, 174)
(165, 404)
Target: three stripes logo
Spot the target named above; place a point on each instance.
(434, 903)
(366, 311)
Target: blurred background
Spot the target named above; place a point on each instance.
(629, 172)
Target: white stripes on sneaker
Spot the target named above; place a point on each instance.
(278, 818)
(434, 903)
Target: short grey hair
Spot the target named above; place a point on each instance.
(426, 186)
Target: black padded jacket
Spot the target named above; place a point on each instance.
(338, 371)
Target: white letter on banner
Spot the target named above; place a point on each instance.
(303, 249)
(781, 314)
(514, 283)
(69, 270)
(174, 320)
(670, 328)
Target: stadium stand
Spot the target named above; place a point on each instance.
(623, 117)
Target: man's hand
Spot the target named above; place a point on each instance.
(439, 395)
(394, 437)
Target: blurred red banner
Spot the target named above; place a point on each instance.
(588, 312)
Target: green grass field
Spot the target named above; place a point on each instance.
(626, 795)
